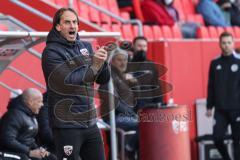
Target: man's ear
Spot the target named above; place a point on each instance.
(30, 102)
(58, 27)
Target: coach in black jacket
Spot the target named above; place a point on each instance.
(224, 96)
(19, 126)
(70, 69)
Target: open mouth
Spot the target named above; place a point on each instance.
(72, 33)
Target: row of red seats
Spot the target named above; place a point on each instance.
(214, 32)
(93, 15)
(186, 9)
(160, 32)
(151, 32)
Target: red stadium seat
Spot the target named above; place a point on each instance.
(212, 32)
(202, 32)
(126, 9)
(220, 30)
(107, 27)
(148, 32)
(237, 32)
(116, 28)
(195, 18)
(127, 32)
(135, 30)
(176, 32)
(230, 30)
(157, 32)
(83, 10)
(53, 1)
(62, 3)
(178, 5)
(104, 18)
(199, 19)
(113, 7)
(167, 33)
(94, 14)
(190, 18)
(188, 7)
(125, 15)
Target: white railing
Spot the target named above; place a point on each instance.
(20, 34)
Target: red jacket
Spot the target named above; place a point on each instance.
(154, 12)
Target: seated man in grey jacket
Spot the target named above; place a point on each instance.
(126, 118)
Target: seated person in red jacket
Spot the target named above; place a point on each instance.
(19, 127)
(163, 12)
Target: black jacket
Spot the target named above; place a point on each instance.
(45, 136)
(69, 78)
(18, 128)
(235, 15)
(224, 83)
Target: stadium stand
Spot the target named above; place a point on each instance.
(202, 32)
(213, 32)
(157, 32)
(167, 33)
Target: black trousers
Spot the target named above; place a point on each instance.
(222, 119)
(74, 143)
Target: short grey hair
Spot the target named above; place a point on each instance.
(117, 51)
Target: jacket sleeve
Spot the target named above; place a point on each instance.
(210, 94)
(103, 75)
(51, 60)
(212, 14)
(11, 126)
(45, 132)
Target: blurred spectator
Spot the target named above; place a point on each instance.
(148, 72)
(160, 13)
(45, 132)
(124, 3)
(163, 12)
(212, 13)
(236, 2)
(231, 12)
(19, 127)
(235, 15)
(225, 6)
(126, 118)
